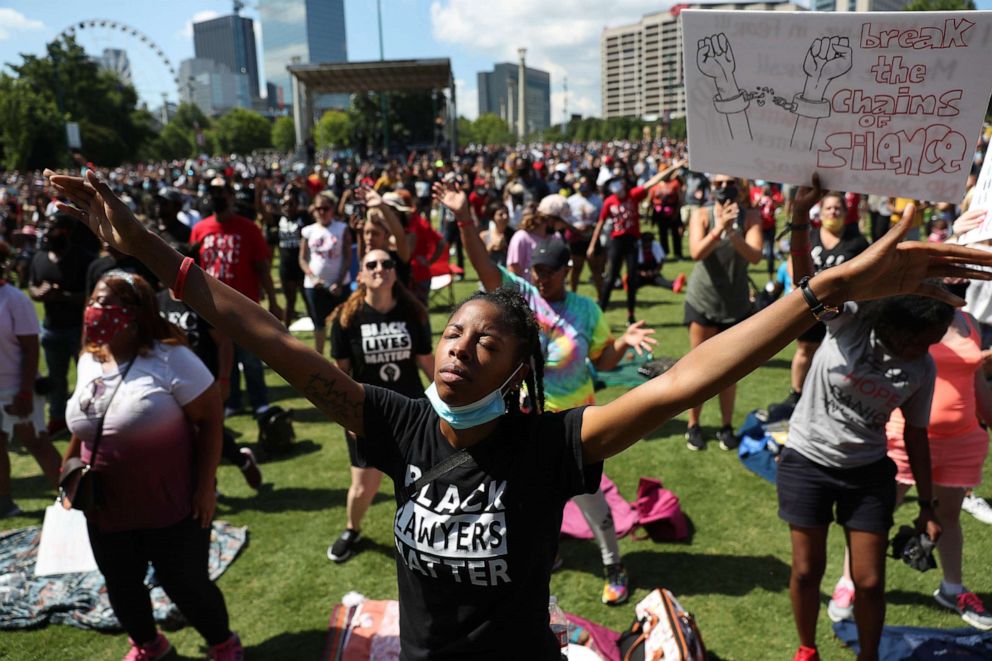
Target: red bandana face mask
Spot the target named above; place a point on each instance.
(102, 322)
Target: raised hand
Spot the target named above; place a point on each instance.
(806, 199)
(369, 196)
(639, 338)
(95, 205)
(451, 196)
(891, 268)
(715, 59)
(969, 220)
(826, 59)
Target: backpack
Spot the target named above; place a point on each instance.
(659, 514)
(275, 430)
(662, 629)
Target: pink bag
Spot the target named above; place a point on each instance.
(660, 515)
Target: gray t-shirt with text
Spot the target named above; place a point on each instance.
(852, 388)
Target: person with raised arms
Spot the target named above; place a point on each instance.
(480, 485)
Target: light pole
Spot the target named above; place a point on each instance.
(521, 95)
(383, 103)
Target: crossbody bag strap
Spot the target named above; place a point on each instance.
(99, 425)
(454, 461)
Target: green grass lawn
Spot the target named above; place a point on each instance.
(733, 574)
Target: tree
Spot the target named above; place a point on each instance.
(284, 134)
(241, 131)
(65, 85)
(940, 5)
(490, 129)
(333, 130)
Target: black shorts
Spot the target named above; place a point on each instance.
(865, 497)
(815, 333)
(694, 316)
(289, 266)
(356, 458)
(321, 303)
(579, 247)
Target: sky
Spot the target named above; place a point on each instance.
(561, 37)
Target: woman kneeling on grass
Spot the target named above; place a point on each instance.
(480, 485)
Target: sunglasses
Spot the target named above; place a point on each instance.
(386, 264)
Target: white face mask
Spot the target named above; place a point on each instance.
(477, 413)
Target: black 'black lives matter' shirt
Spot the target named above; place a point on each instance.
(474, 547)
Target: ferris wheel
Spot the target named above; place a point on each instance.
(131, 54)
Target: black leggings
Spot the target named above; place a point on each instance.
(179, 555)
(621, 248)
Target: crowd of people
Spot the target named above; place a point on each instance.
(172, 277)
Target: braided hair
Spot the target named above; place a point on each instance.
(520, 321)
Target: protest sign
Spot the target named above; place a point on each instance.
(981, 198)
(885, 103)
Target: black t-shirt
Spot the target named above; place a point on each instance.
(289, 231)
(383, 348)
(850, 245)
(101, 265)
(70, 275)
(197, 328)
(476, 545)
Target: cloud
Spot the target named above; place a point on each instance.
(198, 17)
(467, 98)
(561, 38)
(12, 22)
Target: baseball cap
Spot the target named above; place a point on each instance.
(396, 201)
(557, 206)
(552, 253)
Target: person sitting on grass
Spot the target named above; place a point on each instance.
(649, 262)
(479, 484)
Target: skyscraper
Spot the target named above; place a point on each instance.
(312, 30)
(230, 40)
(498, 95)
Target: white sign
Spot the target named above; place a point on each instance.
(72, 135)
(981, 198)
(885, 103)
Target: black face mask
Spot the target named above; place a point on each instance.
(219, 203)
(726, 194)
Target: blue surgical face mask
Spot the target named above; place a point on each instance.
(477, 413)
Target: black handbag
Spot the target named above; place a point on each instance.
(77, 485)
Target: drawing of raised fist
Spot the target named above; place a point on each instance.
(826, 59)
(715, 59)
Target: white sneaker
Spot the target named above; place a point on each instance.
(978, 508)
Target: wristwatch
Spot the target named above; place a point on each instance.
(821, 311)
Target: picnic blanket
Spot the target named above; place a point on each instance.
(923, 644)
(80, 600)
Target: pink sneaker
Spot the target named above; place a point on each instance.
(229, 650)
(841, 606)
(152, 651)
(806, 654)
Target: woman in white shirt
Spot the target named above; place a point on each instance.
(325, 257)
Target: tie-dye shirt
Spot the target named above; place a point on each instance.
(571, 331)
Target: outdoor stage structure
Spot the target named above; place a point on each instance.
(310, 80)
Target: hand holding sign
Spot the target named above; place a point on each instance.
(826, 59)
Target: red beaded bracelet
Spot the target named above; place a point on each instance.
(177, 289)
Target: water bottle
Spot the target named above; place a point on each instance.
(559, 625)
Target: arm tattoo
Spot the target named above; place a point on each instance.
(329, 397)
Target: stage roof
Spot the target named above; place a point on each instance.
(375, 76)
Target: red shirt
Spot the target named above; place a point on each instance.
(229, 251)
(626, 218)
(427, 240)
(478, 203)
(853, 203)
